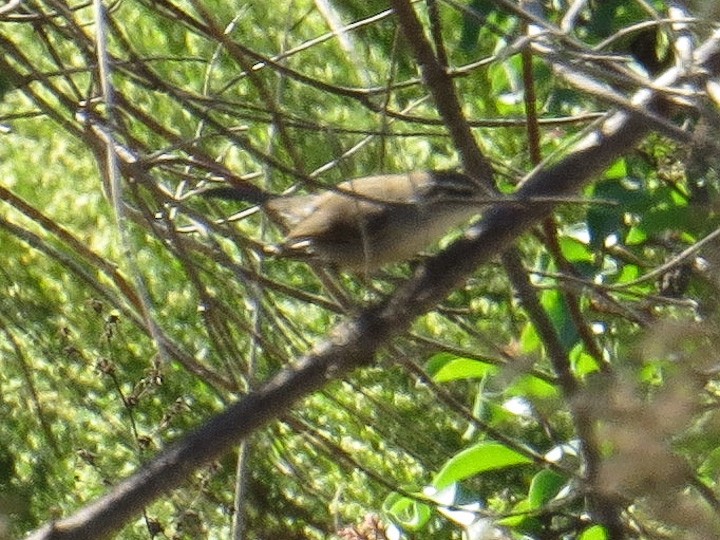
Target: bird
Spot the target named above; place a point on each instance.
(364, 224)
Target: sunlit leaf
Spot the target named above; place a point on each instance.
(482, 457)
(463, 368)
(596, 532)
(544, 486)
(406, 512)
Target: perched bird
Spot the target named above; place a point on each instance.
(364, 224)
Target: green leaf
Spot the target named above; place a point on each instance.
(635, 236)
(463, 368)
(596, 532)
(554, 303)
(531, 386)
(629, 272)
(519, 521)
(408, 513)
(544, 487)
(483, 457)
(582, 362)
(529, 339)
(574, 250)
(617, 170)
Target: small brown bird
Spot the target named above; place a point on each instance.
(364, 224)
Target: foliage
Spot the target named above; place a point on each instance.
(133, 310)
